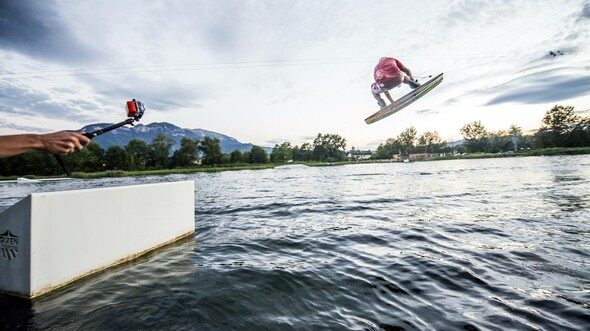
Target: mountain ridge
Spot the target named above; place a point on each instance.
(121, 136)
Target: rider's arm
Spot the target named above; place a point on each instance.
(406, 70)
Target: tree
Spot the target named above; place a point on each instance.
(236, 156)
(90, 159)
(138, 154)
(474, 130)
(329, 147)
(115, 158)
(282, 153)
(387, 150)
(428, 140)
(560, 127)
(560, 119)
(258, 155)
(515, 133)
(515, 130)
(580, 136)
(211, 149)
(303, 153)
(160, 150)
(475, 135)
(526, 142)
(186, 155)
(32, 163)
(407, 140)
(246, 157)
(499, 141)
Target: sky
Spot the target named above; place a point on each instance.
(273, 71)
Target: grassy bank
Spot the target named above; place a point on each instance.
(121, 173)
(476, 156)
(160, 172)
(536, 152)
(558, 151)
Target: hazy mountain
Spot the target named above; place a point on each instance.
(123, 135)
(455, 143)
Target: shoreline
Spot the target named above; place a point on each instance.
(556, 151)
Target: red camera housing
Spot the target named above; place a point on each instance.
(135, 109)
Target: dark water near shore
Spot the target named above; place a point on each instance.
(493, 244)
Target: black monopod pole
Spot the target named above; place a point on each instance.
(109, 128)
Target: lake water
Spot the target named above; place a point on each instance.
(490, 244)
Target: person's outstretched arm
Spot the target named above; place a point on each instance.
(406, 70)
(61, 142)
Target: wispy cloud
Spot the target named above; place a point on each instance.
(23, 100)
(427, 111)
(541, 87)
(481, 11)
(159, 93)
(275, 141)
(586, 11)
(308, 139)
(25, 128)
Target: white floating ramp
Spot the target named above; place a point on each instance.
(49, 240)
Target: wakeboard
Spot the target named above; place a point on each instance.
(405, 101)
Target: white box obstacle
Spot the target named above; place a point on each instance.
(49, 240)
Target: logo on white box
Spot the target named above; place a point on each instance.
(8, 245)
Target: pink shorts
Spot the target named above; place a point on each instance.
(387, 85)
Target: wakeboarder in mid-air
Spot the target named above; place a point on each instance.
(390, 73)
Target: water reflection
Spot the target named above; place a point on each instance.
(16, 313)
(568, 178)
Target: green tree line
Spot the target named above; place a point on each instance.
(138, 155)
(409, 142)
(324, 148)
(560, 127)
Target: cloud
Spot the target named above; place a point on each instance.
(235, 63)
(22, 128)
(221, 34)
(275, 141)
(309, 139)
(161, 94)
(586, 11)
(464, 11)
(375, 143)
(26, 101)
(298, 141)
(15, 99)
(427, 111)
(536, 89)
(482, 11)
(35, 28)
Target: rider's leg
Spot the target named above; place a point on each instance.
(380, 100)
(376, 90)
(389, 96)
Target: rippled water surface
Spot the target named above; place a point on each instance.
(491, 244)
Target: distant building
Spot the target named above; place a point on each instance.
(358, 154)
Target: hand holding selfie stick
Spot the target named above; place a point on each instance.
(135, 110)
